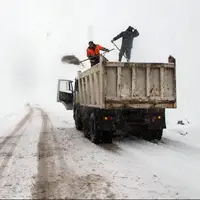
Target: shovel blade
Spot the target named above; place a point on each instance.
(71, 59)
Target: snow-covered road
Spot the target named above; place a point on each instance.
(43, 156)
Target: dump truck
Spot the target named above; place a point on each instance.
(115, 97)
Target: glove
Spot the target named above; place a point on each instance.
(107, 50)
(112, 41)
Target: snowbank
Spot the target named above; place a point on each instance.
(187, 134)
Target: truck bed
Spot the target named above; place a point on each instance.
(128, 85)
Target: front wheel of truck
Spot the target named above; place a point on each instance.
(86, 126)
(78, 122)
(95, 135)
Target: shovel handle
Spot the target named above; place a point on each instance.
(118, 49)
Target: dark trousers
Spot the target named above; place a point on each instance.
(127, 52)
(95, 60)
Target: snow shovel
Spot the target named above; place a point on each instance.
(71, 59)
(119, 49)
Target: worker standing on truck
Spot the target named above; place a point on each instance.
(127, 42)
(93, 52)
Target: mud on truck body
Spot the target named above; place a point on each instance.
(119, 96)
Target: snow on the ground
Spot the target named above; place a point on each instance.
(188, 134)
(9, 119)
(19, 175)
(77, 168)
(59, 115)
(136, 168)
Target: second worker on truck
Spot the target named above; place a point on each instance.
(127, 42)
(93, 52)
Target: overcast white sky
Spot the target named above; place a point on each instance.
(35, 34)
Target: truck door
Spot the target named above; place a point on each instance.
(65, 93)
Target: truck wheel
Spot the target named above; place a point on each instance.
(86, 128)
(95, 135)
(78, 122)
(150, 135)
(107, 137)
(147, 134)
(159, 134)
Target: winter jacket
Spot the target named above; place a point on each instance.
(95, 51)
(127, 37)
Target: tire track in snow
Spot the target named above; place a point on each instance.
(46, 177)
(75, 186)
(8, 145)
(55, 178)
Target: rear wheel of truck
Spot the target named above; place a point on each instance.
(150, 135)
(147, 134)
(158, 134)
(78, 122)
(95, 135)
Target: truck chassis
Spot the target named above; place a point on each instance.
(99, 125)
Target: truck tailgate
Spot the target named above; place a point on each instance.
(140, 85)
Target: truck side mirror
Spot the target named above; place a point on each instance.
(65, 93)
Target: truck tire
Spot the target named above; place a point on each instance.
(147, 134)
(86, 127)
(150, 135)
(78, 122)
(158, 135)
(95, 135)
(107, 137)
